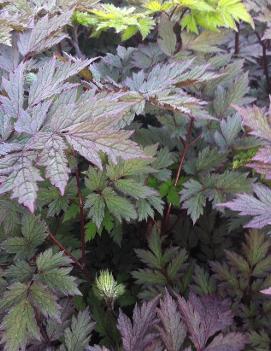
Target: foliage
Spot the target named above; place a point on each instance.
(197, 318)
(134, 156)
(208, 14)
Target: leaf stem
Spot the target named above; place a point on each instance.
(265, 62)
(183, 154)
(237, 40)
(68, 253)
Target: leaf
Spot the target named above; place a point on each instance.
(256, 206)
(96, 205)
(15, 293)
(193, 199)
(167, 38)
(20, 271)
(134, 189)
(53, 271)
(205, 284)
(172, 330)
(53, 158)
(158, 87)
(78, 335)
(20, 326)
(34, 233)
(45, 34)
(256, 120)
(157, 6)
(207, 160)
(46, 135)
(22, 179)
(229, 342)
(124, 20)
(45, 301)
(196, 5)
(204, 317)
(91, 231)
(100, 136)
(138, 334)
(12, 104)
(118, 206)
(51, 80)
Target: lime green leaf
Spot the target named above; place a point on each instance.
(158, 6)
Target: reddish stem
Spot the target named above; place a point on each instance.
(183, 153)
(67, 253)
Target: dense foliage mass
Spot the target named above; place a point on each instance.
(135, 168)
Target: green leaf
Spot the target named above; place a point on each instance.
(189, 23)
(20, 326)
(129, 32)
(96, 205)
(118, 206)
(134, 189)
(199, 5)
(173, 196)
(71, 213)
(177, 264)
(20, 271)
(165, 187)
(52, 273)
(45, 301)
(47, 260)
(95, 180)
(193, 199)
(78, 335)
(59, 279)
(91, 231)
(34, 232)
(108, 222)
(15, 293)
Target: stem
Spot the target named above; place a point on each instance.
(172, 13)
(82, 217)
(237, 40)
(265, 62)
(75, 43)
(67, 253)
(183, 153)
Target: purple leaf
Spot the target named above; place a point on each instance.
(258, 206)
(172, 330)
(229, 342)
(203, 317)
(139, 333)
(257, 120)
